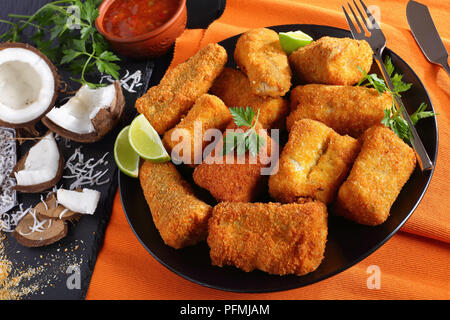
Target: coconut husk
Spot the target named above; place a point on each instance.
(53, 231)
(53, 210)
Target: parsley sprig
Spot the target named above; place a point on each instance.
(392, 117)
(243, 141)
(81, 49)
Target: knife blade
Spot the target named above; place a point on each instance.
(426, 35)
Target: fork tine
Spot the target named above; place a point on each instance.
(350, 23)
(372, 19)
(361, 28)
(363, 17)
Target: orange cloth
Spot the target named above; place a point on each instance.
(414, 264)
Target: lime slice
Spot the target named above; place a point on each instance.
(292, 40)
(145, 140)
(126, 158)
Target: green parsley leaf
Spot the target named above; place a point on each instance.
(242, 117)
(420, 113)
(79, 50)
(243, 141)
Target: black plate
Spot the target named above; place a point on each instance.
(348, 243)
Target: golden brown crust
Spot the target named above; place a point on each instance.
(231, 180)
(208, 112)
(258, 53)
(313, 163)
(346, 109)
(380, 171)
(233, 87)
(165, 104)
(278, 239)
(179, 216)
(332, 61)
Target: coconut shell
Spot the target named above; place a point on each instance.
(105, 120)
(54, 210)
(54, 230)
(30, 124)
(20, 165)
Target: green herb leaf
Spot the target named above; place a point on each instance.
(420, 113)
(242, 117)
(243, 141)
(79, 50)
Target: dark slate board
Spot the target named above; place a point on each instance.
(83, 242)
(85, 237)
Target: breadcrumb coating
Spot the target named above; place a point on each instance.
(275, 238)
(165, 104)
(236, 179)
(313, 164)
(179, 216)
(332, 61)
(346, 109)
(380, 171)
(233, 87)
(258, 53)
(208, 112)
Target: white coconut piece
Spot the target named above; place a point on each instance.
(42, 163)
(27, 85)
(84, 202)
(77, 114)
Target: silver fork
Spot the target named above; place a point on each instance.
(378, 42)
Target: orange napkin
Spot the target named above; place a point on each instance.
(414, 264)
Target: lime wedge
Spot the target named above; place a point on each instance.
(126, 158)
(145, 140)
(292, 40)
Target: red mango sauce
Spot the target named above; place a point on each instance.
(131, 18)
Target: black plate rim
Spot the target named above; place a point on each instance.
(348, 265)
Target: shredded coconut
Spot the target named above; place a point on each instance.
(85, 172)
(135, 79)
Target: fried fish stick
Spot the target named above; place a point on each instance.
(208, 112)
(278, 239)
(180, 217)
(332, 61)
(381, 169)
(165, 104)
(346, 109)
(233, 87)
(313, 164)
(236, 178)
(259, 54)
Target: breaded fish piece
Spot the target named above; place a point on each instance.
(165, 104)
(314, 163)
(259, 54)
(380, 171)
(233, 87)
(332, 61)
(208, 112)
(346, 109)
(180, 217)
(278, 239)
(233, 178)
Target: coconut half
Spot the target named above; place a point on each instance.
(41, 167)
(28, 85)
(84, 202)
(89, 115)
